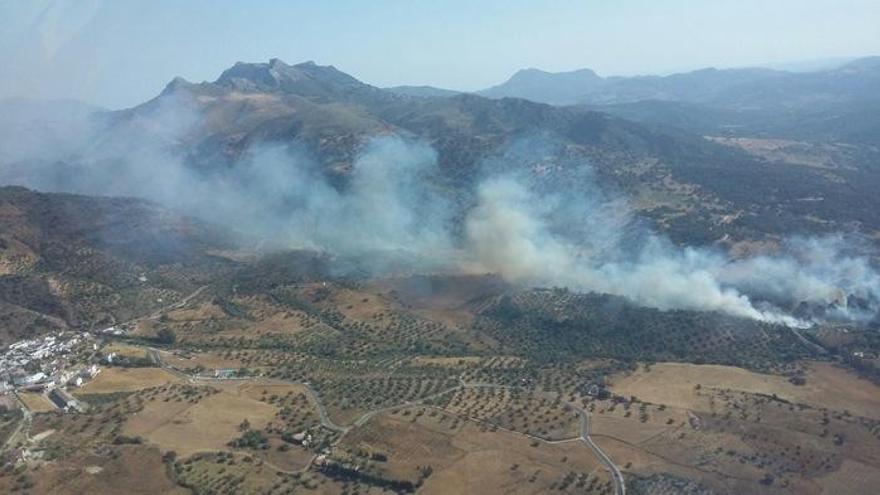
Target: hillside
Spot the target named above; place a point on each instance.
(81, 262)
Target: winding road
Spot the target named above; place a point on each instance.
(314, 396)
(605, 459)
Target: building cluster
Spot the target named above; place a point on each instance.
(47, 362)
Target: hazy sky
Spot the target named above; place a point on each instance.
(121, 52)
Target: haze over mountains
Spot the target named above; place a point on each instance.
(236, 269)
(389, 255)
(745, 87)
(829, 102)
(307, 156)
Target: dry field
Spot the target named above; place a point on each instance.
(730, 429)
(675, 384)
(466, 458)
(853, 477)
(111, 380)
(534, 414)
(204, 311)
(452, 362)
(126, 350)
(448, 299)
(139, 469)
(354, 304)
(36, 402)
(232, 474)
(823, 156)
(207, 424)
(207, 360)
(635, 460)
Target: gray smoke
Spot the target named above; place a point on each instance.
(508, 232)
(536, 216)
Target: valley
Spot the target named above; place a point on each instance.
(425, 394)
(287, 280)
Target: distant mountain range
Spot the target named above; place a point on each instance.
(833, 103)
(642, 135)
(731, 88)
(853, 79)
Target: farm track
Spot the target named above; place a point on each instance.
(22, 427)
(327, 422)
(605, 459)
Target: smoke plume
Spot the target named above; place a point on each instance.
(536, 216)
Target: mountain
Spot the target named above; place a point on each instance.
(730, 88)
(558, 88)
(305, 79)
(585, 86)
(334, 114)
(422, 91)
(696, 190)
(836, 105)
(831, 104)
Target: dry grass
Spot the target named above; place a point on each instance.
(675, 384)
(111, 380)
(206, 425)
(467, 458)
(853, 477)
(261, 391)
(36, 402)
(628, 429)
(126, 350)
(452, 362)
(136, 470)
(204, 311)
(208, 360)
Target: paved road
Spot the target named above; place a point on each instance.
(322, 411)
(175, 305)
(616, 475)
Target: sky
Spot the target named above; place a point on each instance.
(118, 53)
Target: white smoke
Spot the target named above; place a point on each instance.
(536, 216)
(508, 232)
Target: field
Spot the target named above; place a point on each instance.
(540, 415)
(126, 350)
(826, 385)
(138, 469)
(853, 477)
(112, 380)
(205, 423)
(727, 428)
(441, 384)
(462, 457)
(36, 402)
